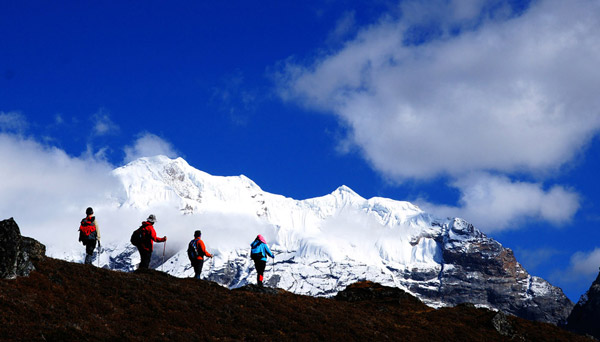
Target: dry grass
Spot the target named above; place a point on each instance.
(62, 301)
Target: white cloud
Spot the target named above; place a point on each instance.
(13, 122)
(582, 269)
(47, 191)
(585, 263)
(495, 203)
(345, 25)
(148, 145)
(452, 14)
(513, 95)
(103, 124)
(490, 92)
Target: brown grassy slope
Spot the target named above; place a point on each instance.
(62, 301)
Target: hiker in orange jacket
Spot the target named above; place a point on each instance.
(196, 253)
(147, 242)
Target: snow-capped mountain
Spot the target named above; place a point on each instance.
(323, 244)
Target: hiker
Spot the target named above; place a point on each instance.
(89, 234)
(259, 253)
(147, 239)
(196, 252)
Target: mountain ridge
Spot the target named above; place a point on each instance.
(326, 243)
(63, 301)
(46, 299)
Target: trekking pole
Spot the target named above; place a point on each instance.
(99, 253)
(162, 267)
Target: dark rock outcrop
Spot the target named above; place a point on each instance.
(479, 270)
(367, 291)
(585, 317)
(505, 327)
(17, 253)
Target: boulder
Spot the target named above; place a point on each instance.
(17, 253)
(367, 291)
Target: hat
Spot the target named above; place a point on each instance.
(89, 211)
(197, 233)
(261, 238)
(151, 218)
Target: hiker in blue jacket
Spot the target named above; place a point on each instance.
(259, 253)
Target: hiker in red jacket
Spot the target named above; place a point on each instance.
(146, 244)
(196, 252)
(89, 234)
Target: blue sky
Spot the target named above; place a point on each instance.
(487, 110)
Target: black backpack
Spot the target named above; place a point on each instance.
(137, 236)
(192, 250)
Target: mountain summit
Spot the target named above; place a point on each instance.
(324, 244)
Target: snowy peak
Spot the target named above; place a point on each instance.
(154, 180)
(345, 192)
(325, 243)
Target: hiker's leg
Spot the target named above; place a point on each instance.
(89, 251)
(198, 268)
(260, 270)
(145, 256)
(200, 265)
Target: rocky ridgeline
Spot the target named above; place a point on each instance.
(479, 270)
(17, 252)
(474, 269)
(377, 308)
(585, 317)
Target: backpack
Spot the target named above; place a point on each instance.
(193, 252)
(85, 233)
(85, 238)
(137, 236)
(255, 252)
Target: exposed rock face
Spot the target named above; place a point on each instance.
(479, 270)
(17, 252)
(506, 328)
(585, 317)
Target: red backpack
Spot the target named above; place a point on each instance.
(87, 230)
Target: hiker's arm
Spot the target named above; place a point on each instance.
(204, 249)
(155, 238)
(269, 253)
(97, 229)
